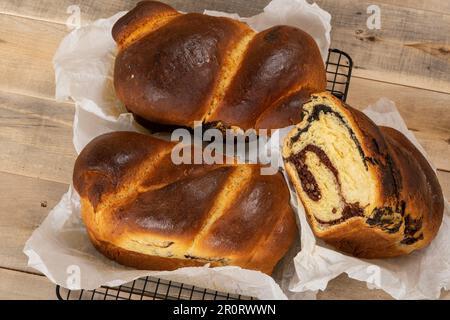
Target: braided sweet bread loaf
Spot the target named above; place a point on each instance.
(174, 69)
(143, 211)
(366, 189)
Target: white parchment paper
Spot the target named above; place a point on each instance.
(60, 248)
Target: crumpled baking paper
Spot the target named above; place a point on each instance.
(60, 248)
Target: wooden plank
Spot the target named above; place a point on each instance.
(36, 137)
(426, 113)
(24, 286)
(423, 110)
(18, 80)
(91, 10)
(48, 10)
(444, 180)
(26, 51)
(24, 203)
(27, 45)
(408, 49)
(437, 148)
(344, 288)
(17, 285)
(438, 6)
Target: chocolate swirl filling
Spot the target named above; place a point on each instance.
(314, 116)
(309, 183)
(311, 187)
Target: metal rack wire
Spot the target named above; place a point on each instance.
(147, 288)
(339, 70)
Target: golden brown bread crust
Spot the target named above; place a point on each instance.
(408, 206)
(142, 261)
(144, 211)
(175, 69)
(145, 17)
(279, 62)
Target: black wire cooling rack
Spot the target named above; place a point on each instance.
(147, 288)
(339, 71)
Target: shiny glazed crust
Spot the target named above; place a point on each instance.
(143, 211)
(407, 206)
(174, 69)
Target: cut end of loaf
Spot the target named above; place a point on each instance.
(366, 189)
(328, 165)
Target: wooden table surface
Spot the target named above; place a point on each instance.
(408, 60)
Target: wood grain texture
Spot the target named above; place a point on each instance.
(344, 288)
(20, 285)
(437, 148)
(56, 11)
(425, 112)
(24, 204)
(438, 6)
(444, 180)
(26, 51)
(36, 137)
(16, 285)
(411, 48)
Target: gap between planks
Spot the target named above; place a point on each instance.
(17, 285)
(438, 6)
(35, 18)
(396, 84)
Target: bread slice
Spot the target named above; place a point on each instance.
(366, 189)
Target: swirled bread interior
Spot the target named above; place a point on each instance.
(366, 189)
